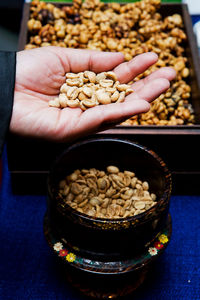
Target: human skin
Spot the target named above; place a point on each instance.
(41, 72)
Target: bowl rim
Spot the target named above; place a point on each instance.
(135, 219)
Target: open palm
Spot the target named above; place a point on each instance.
(41, 72)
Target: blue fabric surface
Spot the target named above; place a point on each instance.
(28, 269)
(195, 19)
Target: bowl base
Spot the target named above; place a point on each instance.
(107, 280)
(104, 288)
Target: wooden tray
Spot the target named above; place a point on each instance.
(177, 145)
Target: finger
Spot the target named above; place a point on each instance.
(103, 116)
(117, 112)
(151, 90)
(127, 71)
(78, 60)
(165, 72)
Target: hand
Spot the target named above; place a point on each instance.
(41, 72)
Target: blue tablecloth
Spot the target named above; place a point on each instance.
(28, 270)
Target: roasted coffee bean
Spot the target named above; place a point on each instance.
(131, 28)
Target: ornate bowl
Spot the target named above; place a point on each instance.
(106, 279)
(106, 238)
(113, 246)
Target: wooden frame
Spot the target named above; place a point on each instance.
(177, 145)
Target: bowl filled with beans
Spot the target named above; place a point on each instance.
(108, 212)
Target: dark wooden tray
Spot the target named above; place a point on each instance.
(177, 145)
